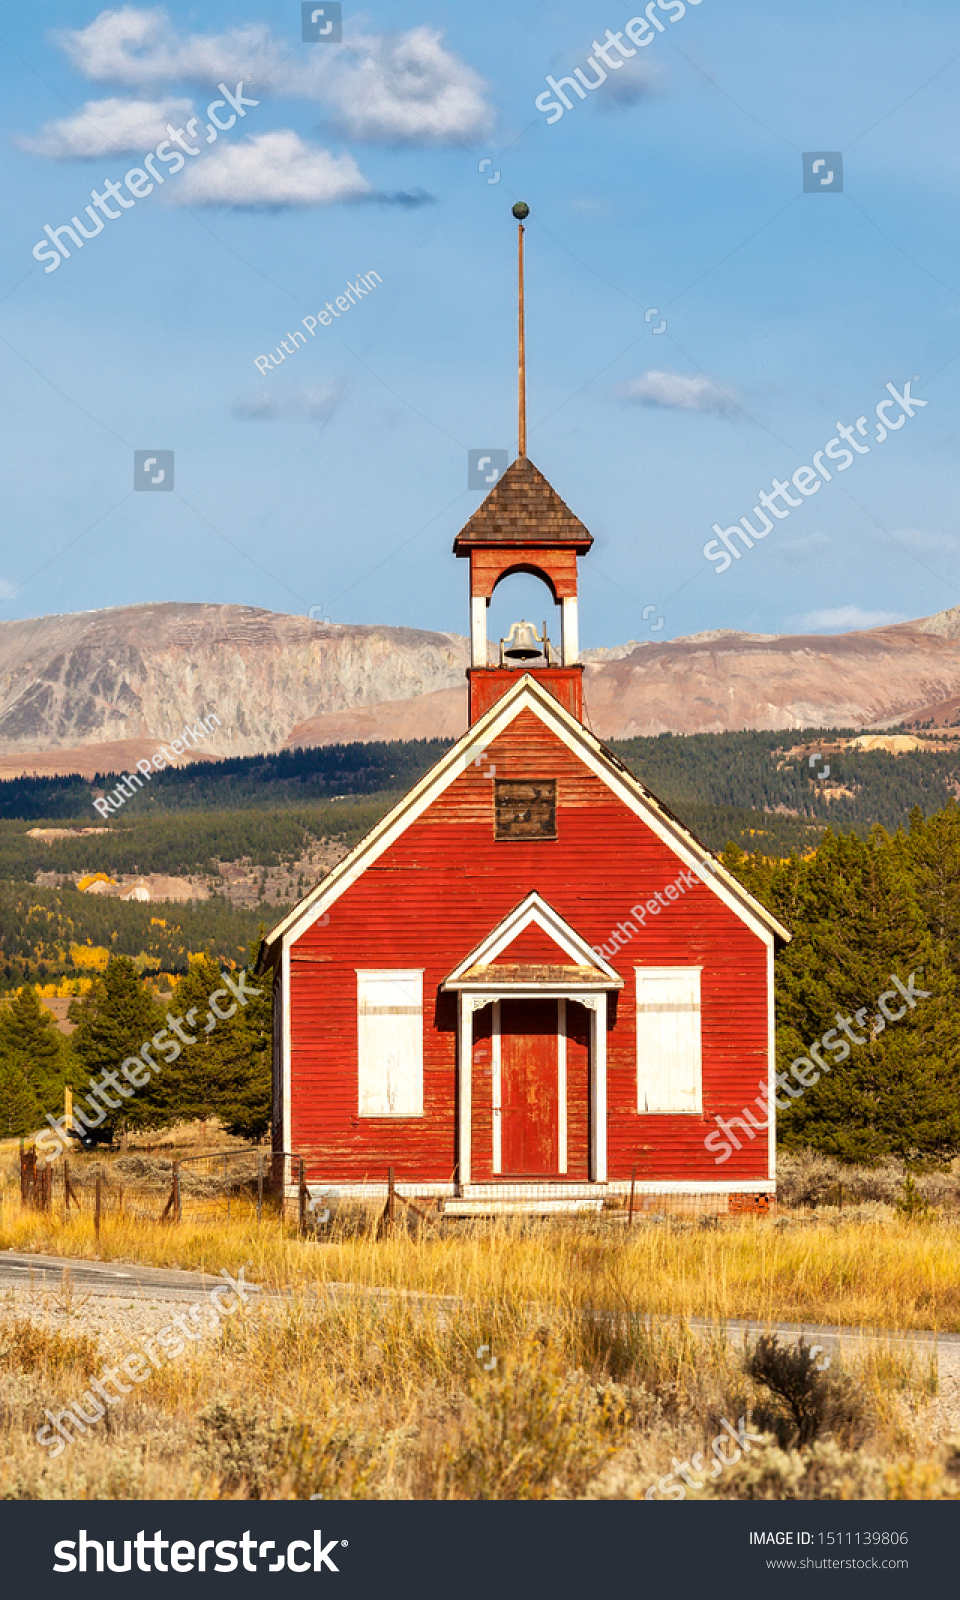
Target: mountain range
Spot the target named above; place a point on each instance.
(95, 691)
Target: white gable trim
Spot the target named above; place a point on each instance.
(526, 695)
(533, 910)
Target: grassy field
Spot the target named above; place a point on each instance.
(887, 1273)
(541, 1359)
(537, 1381)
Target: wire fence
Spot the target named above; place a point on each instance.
(207, 1188)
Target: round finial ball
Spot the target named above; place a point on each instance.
(521, 210)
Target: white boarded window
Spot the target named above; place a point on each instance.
(668, 1039)
(390, 1043)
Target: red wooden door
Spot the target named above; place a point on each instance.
(529, 1116)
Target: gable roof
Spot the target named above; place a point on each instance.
(522, 508)
(525, 695)
(584, 965)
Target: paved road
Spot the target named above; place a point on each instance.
(130, 1280)
(102, 1278)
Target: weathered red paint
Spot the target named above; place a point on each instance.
(529, 1088)
(446, 882)
(436, 893)
(489, 684)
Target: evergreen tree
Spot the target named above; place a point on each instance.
(246, 1109)
(33, 1056)
(225, 1071)
(20, 1106)
(861, 911)
(113, 1021)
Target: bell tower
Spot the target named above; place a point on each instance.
(524, 526)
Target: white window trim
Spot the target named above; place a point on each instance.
(664, 972)
(388, 973)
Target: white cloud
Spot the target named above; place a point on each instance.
(136, 46)
(273, 169)
(7, 589)
(946, 544)
(403, 88)
(304, 405)
(674, 392)
(107, 127)
(846, 619)
(406, 89)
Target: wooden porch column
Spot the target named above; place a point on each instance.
(597, 1005)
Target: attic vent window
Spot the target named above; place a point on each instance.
(525, 809)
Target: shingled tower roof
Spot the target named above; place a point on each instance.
(523, 508)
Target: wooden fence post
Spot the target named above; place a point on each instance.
(177, 1207)
(259, 1185)
(98, 1195)
(391, 1200)
(302, 1216)
(633, 1186)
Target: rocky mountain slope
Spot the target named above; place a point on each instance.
(142, 672)
(95, 686)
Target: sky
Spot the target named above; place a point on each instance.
(700, 321)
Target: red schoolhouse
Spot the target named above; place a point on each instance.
(529, 986)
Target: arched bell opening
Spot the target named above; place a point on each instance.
(517, 605)
(521, 624)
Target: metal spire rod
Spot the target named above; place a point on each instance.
(520, 211)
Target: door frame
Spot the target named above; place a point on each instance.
(474, 1000)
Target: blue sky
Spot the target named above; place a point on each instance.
(338, 479)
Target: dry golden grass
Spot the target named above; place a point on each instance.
(507, 1360)
(865, 1274)
(386, 1399)
(513, 1363)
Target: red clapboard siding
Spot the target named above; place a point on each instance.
(437, 891)
(532, 946)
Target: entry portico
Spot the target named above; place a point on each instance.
(577, 975)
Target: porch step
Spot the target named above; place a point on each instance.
(534, 1206)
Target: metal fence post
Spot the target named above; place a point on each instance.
(96, 1207)
(633, 1186)
(302, 1222)
(391, 1199)
(177, 1206)
(259, 1185)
